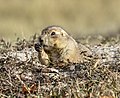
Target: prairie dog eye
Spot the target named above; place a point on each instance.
(53, 33)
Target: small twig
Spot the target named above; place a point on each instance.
(3, 95)
(97, 62)
(39, 88)
(23, 83)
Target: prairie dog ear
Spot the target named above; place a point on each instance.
(63, 33)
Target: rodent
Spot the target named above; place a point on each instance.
(56, 46)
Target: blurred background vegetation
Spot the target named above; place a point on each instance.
(23, 18)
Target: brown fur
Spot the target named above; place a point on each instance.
(58, 46)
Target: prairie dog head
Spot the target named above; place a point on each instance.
(53, 37)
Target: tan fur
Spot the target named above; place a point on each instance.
(58, 47)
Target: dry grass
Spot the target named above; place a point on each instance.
(22, 75)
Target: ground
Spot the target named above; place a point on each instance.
(22, 75)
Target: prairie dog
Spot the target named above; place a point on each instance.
(56, 45)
